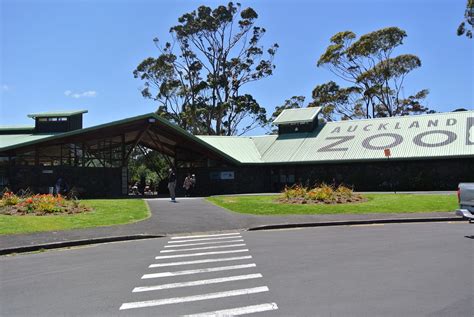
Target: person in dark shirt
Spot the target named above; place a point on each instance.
(172, 184)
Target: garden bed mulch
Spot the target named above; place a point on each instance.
(15, 211)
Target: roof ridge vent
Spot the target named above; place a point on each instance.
(297, 120)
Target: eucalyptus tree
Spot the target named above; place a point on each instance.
(469, 18)
(375, 75)
(294, 102)
(198, 76)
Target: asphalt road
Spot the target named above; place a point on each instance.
(380, 270)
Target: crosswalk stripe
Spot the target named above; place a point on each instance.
(201, 261)
(176, 300)
(195, 283)
(206, 270)
(201, 243)
(206, 235)
(205, 239)
(198, 254)
(237, 311)
(205, 248)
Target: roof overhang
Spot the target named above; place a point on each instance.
(149, 130)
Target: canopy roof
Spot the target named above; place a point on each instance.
(149, 130)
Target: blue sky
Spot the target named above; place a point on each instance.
(59, 55)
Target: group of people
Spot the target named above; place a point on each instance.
(189, 184)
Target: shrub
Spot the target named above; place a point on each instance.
(322, 193)
(44, 203)
(345, 191)
(10, 199)
(39, 204)
(295, 191)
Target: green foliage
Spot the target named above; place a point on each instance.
(469, 19)
(198, 77)
(376, 77)
(335, 100)
(147, 165)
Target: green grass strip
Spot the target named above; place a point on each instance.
(377, 203)
(106, 212)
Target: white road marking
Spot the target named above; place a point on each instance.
(195, 283)
(206, 235)
(237, 311)
(176, 300)
(205, 248)
(368, 225)
(201, 243)
(198, 254)
(205, 239)
(201, 261)
(206, 270)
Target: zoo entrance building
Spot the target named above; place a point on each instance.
(424, 152)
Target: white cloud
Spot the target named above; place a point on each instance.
(85, 94)
(5, 88)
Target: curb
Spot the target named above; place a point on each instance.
(72, 243)
(65, 244)
(353, 223)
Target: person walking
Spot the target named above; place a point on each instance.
(193, 184)
(172, 184)
(187, 185)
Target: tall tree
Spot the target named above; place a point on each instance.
(292, 103)
(198, 77)
(375, 75)
(469, 18)
(337, 102)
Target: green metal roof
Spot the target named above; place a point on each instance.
(243, 150)
(440, 135)
(19, 139)
(16, 128)
(299, 115)
(65, 113)
(22, 140)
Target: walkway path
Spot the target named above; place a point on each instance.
(189, 215)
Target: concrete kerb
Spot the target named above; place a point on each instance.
(354, 223)
(75, 243)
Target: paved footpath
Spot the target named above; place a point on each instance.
(191, 215)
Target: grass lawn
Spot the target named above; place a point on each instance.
(106, 212)
(377, 203)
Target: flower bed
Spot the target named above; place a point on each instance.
(39, 204)
(322, 194)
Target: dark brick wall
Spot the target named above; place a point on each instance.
(247, 180)
(368, 176)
